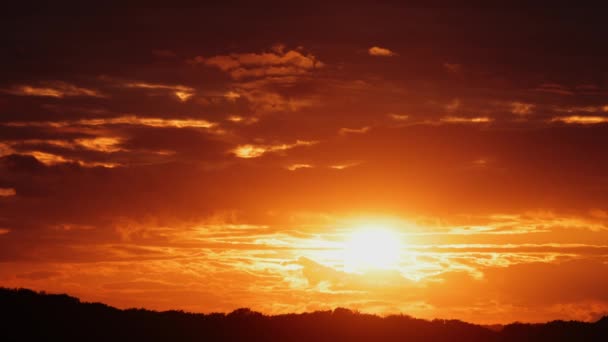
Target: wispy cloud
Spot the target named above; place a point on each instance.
(242, 120)
(380, 52)
(277, 62)
(461, 119)
(399, 117)
(294, 167)
(182, 93)
(343, 166)
(7, 192)
(521, 108)
(54, 159)
(254, 151)
(101, 144)
(120, 120)
(57, 89)
(581, 120)
(360, 130)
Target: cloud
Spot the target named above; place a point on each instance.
(277, 62)
(232, 95)
(57, 89)
(7, 192)
(265, 80)
(581, 120)
(5, 149)
(381, 52)
(302, 264)
(152, 122)
(398, 117)
(579, 109)
(54, 159)
(263, 100)
(242, 120)
(120, 120)
(343, 166)
(100, 144)
(254, 151)
(294, 167)
(521, 108)
(460, 119)
(182, 93)
(250, 151)
(361, 130)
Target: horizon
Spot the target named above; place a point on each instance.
(246, 310)
(385, 158)
(67, 318)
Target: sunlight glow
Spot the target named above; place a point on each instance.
(372, 248)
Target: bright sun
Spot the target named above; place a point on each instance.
(372, 248)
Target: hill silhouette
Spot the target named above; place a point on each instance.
(31, 316)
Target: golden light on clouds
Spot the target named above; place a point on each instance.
(276, 63)
(157, 122)
(380, 51)
(581, 120)
(29, 90)
(336, 260)
(56, 89)
(183, 93)
(249, 151)
(399, 117)
(5, 149)
(343, 166)
(253, 151)
(294, 167)
(103, 144)
(242, 120)
(520, 108)
(7, 192)
(232, 95)
(347, 130)
(236, 118)
(183, 96)
(48, 158)
(54, 159)
(460, 119)
(120, 120)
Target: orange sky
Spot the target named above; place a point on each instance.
(223, 157)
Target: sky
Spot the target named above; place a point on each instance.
(437, 162)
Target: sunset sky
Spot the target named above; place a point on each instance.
(436, 162)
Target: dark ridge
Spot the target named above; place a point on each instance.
(27, 315)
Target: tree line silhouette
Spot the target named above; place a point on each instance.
(31, 316)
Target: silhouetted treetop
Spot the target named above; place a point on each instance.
(31, 316)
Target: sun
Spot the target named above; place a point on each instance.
(372, 248)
